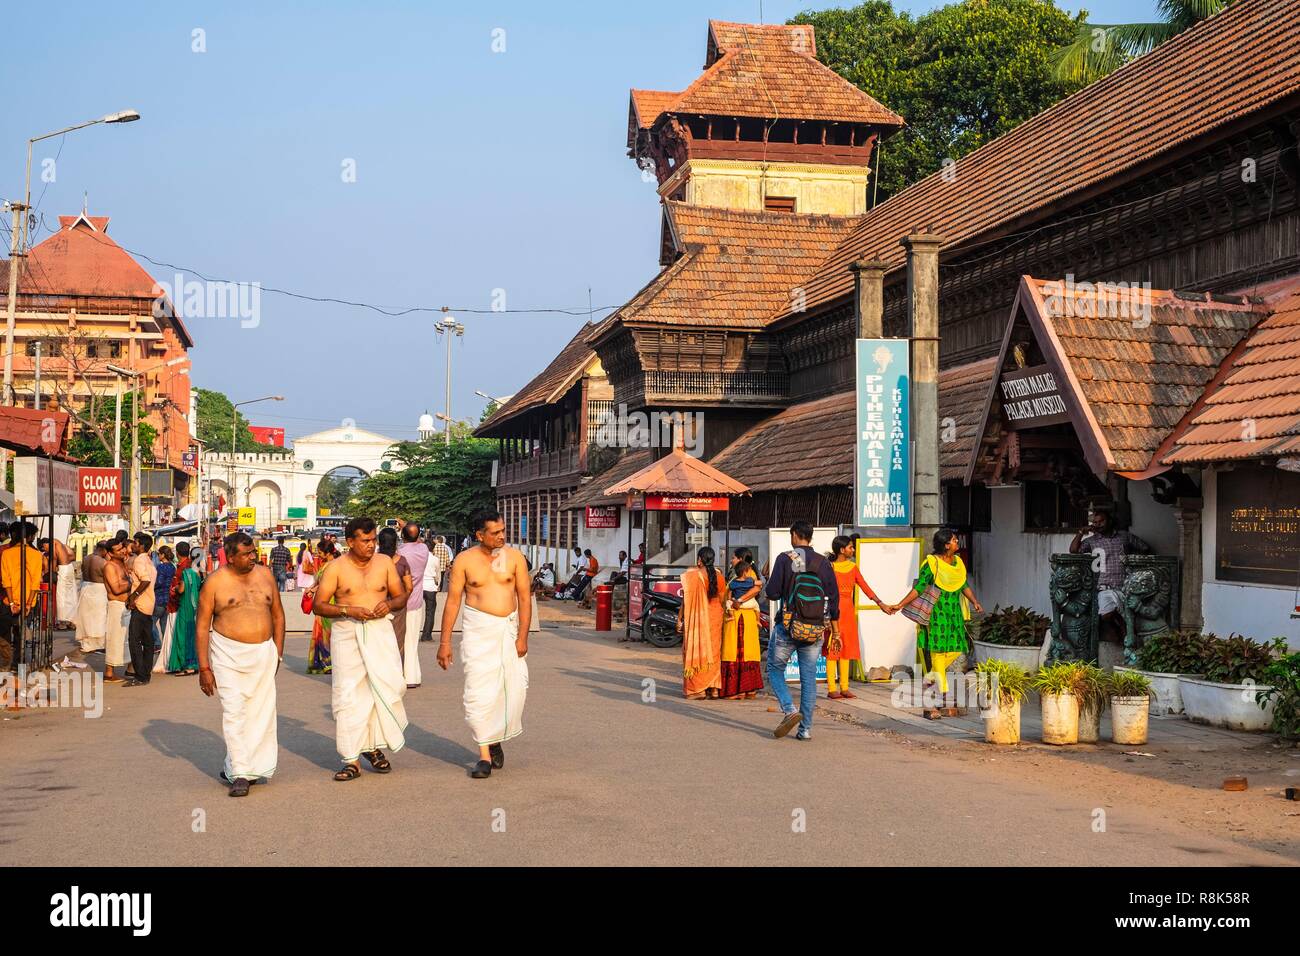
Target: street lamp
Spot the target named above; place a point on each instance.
(134, 374)
(448, 328)
(493, 398)
(234, 418)
(20, 228)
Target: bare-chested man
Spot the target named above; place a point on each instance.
(360, 591)
(117, 585)
(92, 602)
(61, 560)
(239, 636)
(497, 589)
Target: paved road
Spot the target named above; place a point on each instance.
(599, 777)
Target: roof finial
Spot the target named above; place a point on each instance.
(85, 203)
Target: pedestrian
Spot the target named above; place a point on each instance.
(63, 609)
(183, 659)
(117, 585)
(940, 612)
(239, 635)
(416, 555)
(430, 582)
(304, 568)
(140, 602)
(318, 652)
(444, 556)
(1108, 545)
(840, 657)
(386, 544)
(742, 674)
(92, 602)
(699, 621)
(493, 581)
(367, 684)
(165, 576)
(280, 558)
(20, 576)
(804, 582)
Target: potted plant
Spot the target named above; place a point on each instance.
(1005, 685)
(1013, 634)
(1235, 670)
(1130, 694)
(1055, 684)
(1283, 693)
(1092, 689)
(1163, 659)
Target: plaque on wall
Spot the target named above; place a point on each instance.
(1257, 536)
(1031, 398)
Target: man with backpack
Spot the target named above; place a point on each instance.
(804, 582)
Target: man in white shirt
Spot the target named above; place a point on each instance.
(431, 581)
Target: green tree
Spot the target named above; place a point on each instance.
(1098, 49)
(336, 490)
(213, 425)
(960, 75)
(440, 487)
(92, 443)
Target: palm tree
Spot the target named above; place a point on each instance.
(1099, 48)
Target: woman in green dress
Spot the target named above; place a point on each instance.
(943, 639)
(184, 659)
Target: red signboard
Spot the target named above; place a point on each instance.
(686, 503)
(267, 435)
(602, 517)
(99, 491)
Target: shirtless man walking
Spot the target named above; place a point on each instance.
(117, 585)
(239, 636)
(92, 602)
(497, 588)
(359, 592)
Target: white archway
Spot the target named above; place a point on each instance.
(265, 496)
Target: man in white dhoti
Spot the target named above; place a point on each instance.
(417, 556)
(497, 591)
(117, 585)
(239, 637)
(360, 591)
(92, 602)
(65, 589)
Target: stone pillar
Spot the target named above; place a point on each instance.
(869, 297)
(1188, 515)
(923, 324)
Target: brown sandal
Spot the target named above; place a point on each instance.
(350, 771)
(378, 762)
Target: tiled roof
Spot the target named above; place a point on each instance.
(769, 71)
(677, 473)
(963, 390)
(593, 492)
(27, 429)
(1252, 410)
(548, 385)
(1232, 64)
(1140, 378)
(738, 266)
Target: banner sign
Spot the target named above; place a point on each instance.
(267, 435)
(247, 518)
(602, 517)
(687, 503)
(292, 513)
(190, 460)
(1031, 398)
(99, 491)
(32, 479)
(882, 487)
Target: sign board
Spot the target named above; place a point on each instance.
(267, 435)
(1031, 397)
(247, 518)
(1257, 532)
(634, 597)
(882, 486)
(190, 460)
(292, 513)
(99, 491)
(523, 528)
(32, 478)
(778, 542)
(687, 503)
(546, 527)
(890, 566)
(232, 525)
(601, 517)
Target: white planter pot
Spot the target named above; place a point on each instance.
(1060, 719)
(1027, 657)
(1002, 724)
(1089, 726)
(1231, 706)
(1166, 695)
(1128, 719)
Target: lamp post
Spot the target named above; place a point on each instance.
(18, 255)
(234, 419)
(448, 328)
(133, 518)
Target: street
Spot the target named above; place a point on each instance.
(600, 776)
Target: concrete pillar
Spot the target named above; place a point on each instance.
(1188, 515)
(676, 534)
(869, 297)
(923, 323)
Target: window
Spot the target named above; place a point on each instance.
(779, 203)
(104, 350)
(968, 507)
(1048, 508)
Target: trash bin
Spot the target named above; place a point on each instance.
(604, 606)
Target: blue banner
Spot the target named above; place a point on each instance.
(882, 486)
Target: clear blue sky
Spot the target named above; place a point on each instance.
(475, 171)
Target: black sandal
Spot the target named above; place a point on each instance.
(240, 787)
(350, 771)
(482, 770)
(498, 755)
(378, 762)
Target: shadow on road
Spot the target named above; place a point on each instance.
(204, 749)
(308, 744)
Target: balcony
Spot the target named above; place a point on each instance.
(550, 464)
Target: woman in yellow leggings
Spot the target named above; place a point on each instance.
(840, 658)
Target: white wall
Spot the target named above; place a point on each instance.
(1258, 611)
(1012, 567)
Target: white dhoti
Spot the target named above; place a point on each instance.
(65, 595)
(367, 687)
(411, 644)
(115, 634)
(165, 651)
(1109, 601)
(245, 676)
(496, 677)
(92, 616)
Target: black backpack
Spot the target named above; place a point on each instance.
(805, 601)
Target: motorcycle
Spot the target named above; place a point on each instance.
(659, 618)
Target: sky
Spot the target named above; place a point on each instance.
(419, 154)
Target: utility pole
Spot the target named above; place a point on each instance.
(16, 259)
(117, 426)
(447, 328)
(135, 459)
(36, 394)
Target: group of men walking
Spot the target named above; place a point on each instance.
(240, 636)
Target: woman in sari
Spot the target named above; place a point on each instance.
(742, 672)
(183, 659)
(943, 639)
(700, 623)
(840, 657)
(305, 568)
(318, 652)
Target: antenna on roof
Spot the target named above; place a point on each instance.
(85, 202)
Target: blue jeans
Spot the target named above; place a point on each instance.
(159, 623)
(280, 577)
(779, 649)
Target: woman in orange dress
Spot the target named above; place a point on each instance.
(700, 623)
(840, 657)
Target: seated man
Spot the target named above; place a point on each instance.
(589, 572)
(1108, 545)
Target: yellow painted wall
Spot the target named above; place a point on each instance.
(821, 189)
